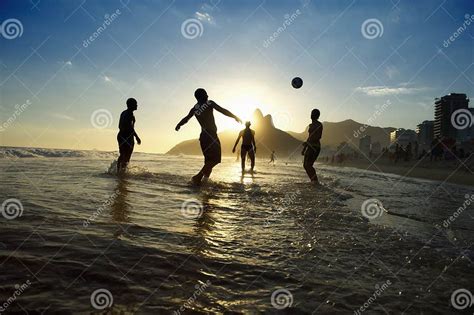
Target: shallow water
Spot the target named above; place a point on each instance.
(147, 240)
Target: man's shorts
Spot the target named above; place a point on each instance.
(211, 147)
(246, 148)
(126, 144)
(311, 154)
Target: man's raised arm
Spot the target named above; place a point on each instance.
(225, 112)
(236, 142)
(185, 119)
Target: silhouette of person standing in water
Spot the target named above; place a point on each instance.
(127, 135)
(248, 146)
(272, 158)
(312, 146)
(210, 144)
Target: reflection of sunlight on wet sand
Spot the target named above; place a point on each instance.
(119, 206)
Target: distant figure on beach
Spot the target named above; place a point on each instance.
(127, 135)
(248, 146)
(436, 150)
(272, 158)
(312, 146)
(210, 144)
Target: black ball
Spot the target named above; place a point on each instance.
(297, 82)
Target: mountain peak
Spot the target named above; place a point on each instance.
(257, 114)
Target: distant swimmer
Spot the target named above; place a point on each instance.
(272, 158)
(210, 144)
(312, 146)
(127, 135)
(248, 146)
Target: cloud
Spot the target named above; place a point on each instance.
(391, 71)
(62, 116)
(206, 17)
(67, 63)
(387, 90)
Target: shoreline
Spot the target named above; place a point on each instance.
(442, 171)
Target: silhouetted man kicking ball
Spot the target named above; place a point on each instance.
(248, 146)
(210, 144)
(312, 146)
(126, 135)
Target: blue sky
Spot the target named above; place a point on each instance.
(142, 53)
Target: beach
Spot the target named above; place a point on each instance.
(456, 172)
(151, 243)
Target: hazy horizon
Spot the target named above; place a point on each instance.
(144, 52)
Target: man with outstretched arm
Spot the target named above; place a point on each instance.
(210, 144)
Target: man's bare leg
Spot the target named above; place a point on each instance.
(204, 172)
(252, 160)
(311, 173)
(243, 156)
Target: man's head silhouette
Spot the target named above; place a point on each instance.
(201, 95)
(247, 124)
(315, 114)
(132, 104)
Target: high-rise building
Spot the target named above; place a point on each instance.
(376, 148)
(364, 144)
(403, 137)
(444, 108)
(425, 133)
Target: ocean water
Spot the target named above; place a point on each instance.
(151, 243)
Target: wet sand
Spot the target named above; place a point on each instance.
(444, 171)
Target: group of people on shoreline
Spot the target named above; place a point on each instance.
(203, 110)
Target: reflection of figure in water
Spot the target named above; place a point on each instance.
(312, 146)
(272, 158)
(205, 226)
(248, 146)
(210, 144)
(119, 207)
(126, 135)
